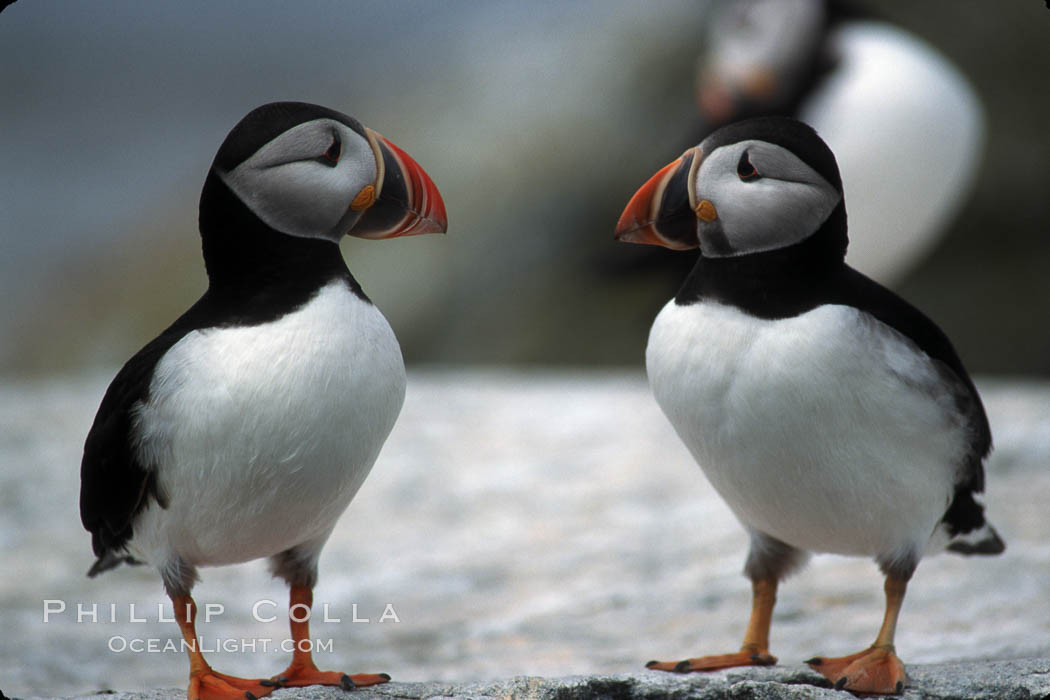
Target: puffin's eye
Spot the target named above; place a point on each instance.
(331, 156)
(745, 169)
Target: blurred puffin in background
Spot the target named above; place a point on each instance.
(245, 429)
(906, 126)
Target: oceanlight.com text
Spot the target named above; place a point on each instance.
(119, 644)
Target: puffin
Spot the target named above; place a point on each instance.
(828, 413)
(245, 428)
(878, 95)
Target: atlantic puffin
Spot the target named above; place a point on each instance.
(883, 99)
(828, 413)
(245, 428)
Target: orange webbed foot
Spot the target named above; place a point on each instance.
(744, 657)
(875, 671)
(211, 685)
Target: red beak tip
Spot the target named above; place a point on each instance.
(424, 211)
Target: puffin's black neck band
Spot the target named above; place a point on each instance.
(774, 284)
(250, 264)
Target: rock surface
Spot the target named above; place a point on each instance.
(519, 524)
(996, 680)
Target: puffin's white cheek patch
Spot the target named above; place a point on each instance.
(289, 187)
(787, 203)
(300, 199)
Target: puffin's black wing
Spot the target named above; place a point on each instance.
(115, 486)
(854, 289)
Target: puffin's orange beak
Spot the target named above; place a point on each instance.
(661, 212)
(406, 201)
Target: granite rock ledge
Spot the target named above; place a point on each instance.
(1022, 679)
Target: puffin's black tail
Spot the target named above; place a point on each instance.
(110, 560)
(984, 540)
(968, 531)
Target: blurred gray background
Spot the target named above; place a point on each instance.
(536, 120)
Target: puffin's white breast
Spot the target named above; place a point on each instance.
(263, 434)
(828, 431)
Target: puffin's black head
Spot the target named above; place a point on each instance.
(750, 187)
(307, 171)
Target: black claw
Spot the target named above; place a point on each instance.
(250, 696)
(347, 683)
(267, 683)
(841, 683)
(815, 661)
(384, 675)
(681, 667)
(650, 664)
(900, 687)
